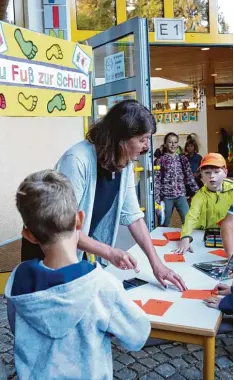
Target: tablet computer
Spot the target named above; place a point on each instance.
(219, 269)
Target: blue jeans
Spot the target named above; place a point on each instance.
(181, 205)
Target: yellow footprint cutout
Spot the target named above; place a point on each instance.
(54, 51)
(29, 103)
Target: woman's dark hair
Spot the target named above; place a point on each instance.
(125, 120)
(191, 142)
(223, 144)
(224, 135)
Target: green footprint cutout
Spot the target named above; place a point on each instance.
(27, 47)
(56, 102)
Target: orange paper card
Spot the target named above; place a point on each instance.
(154, 307)
(160, 243)
(174, 258)
(173, 236)
(198, 294)
(219, 252)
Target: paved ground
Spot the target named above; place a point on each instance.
(168, 361)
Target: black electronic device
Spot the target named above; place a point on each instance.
(133, 283)
(218, 269)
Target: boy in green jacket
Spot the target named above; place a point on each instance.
(211, 203)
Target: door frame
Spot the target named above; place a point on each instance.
(140, 84)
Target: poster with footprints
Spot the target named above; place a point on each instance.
(42, 75)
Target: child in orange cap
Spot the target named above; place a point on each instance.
(211, 203)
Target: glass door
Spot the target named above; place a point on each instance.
(121, 71)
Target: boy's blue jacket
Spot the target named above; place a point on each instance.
(63, 332)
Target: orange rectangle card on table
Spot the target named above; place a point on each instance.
(219, 252)
(174, 258)
(198, 294)
(160, 242)
(173, 236)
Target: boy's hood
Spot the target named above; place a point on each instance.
(56, 310)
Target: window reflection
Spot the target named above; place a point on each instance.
(142, 8)
(7, 11)
(114, 61)
(225, 16)
(195, 14)
(95, 14)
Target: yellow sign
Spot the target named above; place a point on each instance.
(42, 75)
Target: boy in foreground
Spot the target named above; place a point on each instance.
(211, 203)
(62, 311)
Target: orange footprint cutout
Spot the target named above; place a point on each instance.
(154, 307)
(2, 102)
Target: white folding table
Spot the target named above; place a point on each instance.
(187, 320)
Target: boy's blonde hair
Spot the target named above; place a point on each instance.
(47, 204)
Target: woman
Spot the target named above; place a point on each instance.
(223, 144)
(100, 169)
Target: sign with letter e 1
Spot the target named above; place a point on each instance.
(169, 29)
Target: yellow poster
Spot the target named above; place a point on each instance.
(42, 75)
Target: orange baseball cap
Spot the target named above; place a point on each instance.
(213, 159)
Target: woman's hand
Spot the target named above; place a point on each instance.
(223, 289)
(213, 302)
(163, 273)
(184, 246)
(122, 259)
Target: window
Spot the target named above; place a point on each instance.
(143, 8)
(95, 14)
(114, 61)
(223, 96)
(225, 16)
(7, 13)
(195, 14)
